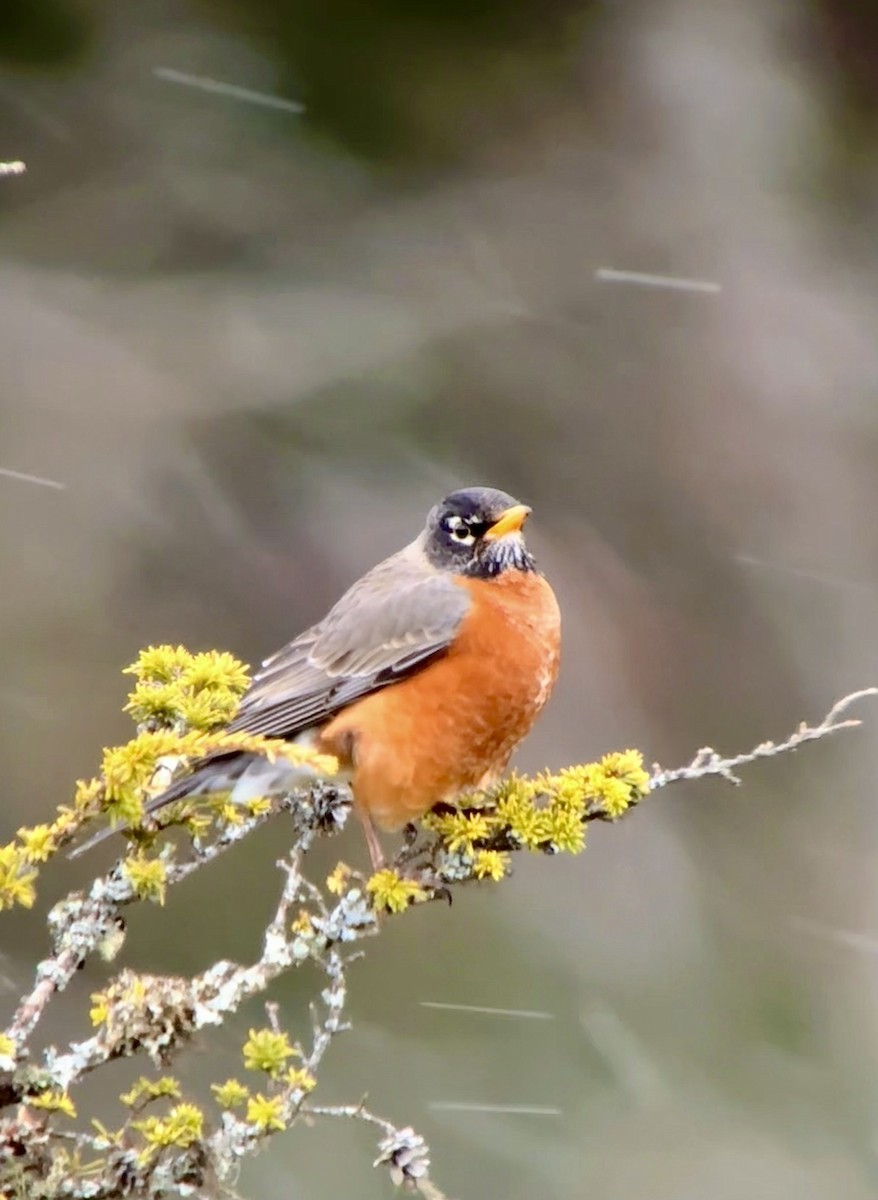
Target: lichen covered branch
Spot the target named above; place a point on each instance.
(166, 1143)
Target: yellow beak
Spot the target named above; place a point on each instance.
(510, 521)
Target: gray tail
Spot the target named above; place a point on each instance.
(211, 776)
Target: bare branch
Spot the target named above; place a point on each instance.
(708, 762)
(404, 1152)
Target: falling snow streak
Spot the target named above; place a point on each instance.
(642, 279)
(40, 480)
(216, 87)
(533, 1014)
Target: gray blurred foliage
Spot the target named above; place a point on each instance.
(255, 347)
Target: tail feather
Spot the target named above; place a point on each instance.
(247, 776)
(215, 775)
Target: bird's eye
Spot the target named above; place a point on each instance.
(459, 531)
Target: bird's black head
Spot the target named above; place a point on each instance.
(477, 532)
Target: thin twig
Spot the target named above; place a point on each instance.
(708, 762)
(402, 1151)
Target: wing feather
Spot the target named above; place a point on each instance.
(392, 621)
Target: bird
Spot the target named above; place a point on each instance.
(421, 680)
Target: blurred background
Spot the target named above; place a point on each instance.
(278, 277)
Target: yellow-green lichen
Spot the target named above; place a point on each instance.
(337, 880)
(100, 1008)
(148, 877)
(299, 1079)
(566, 829)
(53, 1101)
(522, 820)
(182, 1126)
(547, 813)
(175, 687)
(231, 1094)
(267, 1050)
(38, 842)
(109, 1137)
(231, 814)
(461, 830)
(257, 807)
(146, 1090)
(16, 877)
(180, 701)
(490, 864)
(303, 924)
(160, 664)
(129, 770)
(391, 893)
(266, 1112)
(88, 793)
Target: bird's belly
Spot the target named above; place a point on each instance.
(454, 724)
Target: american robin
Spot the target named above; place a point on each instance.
(422, 679)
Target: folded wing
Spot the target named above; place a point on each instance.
(392, 621)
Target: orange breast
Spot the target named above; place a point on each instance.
(454, 724)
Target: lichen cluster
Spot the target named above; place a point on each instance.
(180, 702)
(547, 814)
(167, 1144)
(164, 1131)
(182, 1123)
(392, 893)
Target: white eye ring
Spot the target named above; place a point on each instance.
(460, 531)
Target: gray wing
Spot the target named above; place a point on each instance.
(396, 618)
(391, 621)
